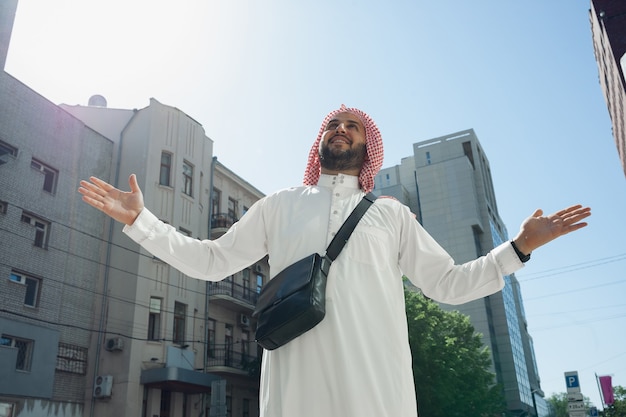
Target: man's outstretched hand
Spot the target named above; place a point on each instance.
(537, 230)
(120, 205)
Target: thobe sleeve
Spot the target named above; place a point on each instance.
(213, 260)
(429, 267)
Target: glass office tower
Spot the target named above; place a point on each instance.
(447, 183)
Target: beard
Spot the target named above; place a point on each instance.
(341, 160)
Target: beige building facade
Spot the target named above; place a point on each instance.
(173, 345)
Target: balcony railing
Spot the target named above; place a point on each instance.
(239, 292)
(237, 360)
(223, 220)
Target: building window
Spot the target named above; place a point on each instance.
(7, 409)
(166, 169)
(187, 178)
(228, 345)
(477, 233)
(31, 297)
(166, 402)
(24, 351)
(72, 359)
(154, 319)
(245, 408)
(259, 283)
(245, 347)
(50, 175)
(217, 197)
(232, 208)
(42, 229)
(211, 339)
(467, 150)
(180, 312)
(6, 149)
(246, 284)
(229, 406)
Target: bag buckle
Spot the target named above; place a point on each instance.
(325, 264)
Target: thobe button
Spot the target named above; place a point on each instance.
(337, 194)
(335, 212)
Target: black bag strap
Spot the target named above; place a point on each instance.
(342, 236)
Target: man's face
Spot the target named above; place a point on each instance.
(342, 148)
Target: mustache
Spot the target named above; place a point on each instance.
(332, 139)
(343, 160)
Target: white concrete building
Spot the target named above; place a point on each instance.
(160, 352)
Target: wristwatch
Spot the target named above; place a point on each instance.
(522, 257)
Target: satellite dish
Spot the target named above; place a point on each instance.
(97, 101)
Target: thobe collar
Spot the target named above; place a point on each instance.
(339, 180)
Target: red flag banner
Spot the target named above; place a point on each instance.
(607, 389)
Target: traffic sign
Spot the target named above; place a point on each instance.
(576, 406)
(571, 382)
(575, 396)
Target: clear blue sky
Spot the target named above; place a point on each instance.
(261, 75)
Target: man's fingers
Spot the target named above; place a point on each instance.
(577, 215)
(102, 184)
(94, 189)
(132, 181)
(569, 209)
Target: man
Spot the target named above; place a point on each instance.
(357, 361)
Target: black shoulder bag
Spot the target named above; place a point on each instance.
(294, 301)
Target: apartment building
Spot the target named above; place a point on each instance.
(447, 183)
(608, 30)
(173, 345)
(90, 323)
(52, 254)
(232, 352)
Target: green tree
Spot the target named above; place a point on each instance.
(559, 403)
(450, 363)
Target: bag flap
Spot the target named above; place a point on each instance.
(288, 281)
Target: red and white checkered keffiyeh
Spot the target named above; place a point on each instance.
(373, 145)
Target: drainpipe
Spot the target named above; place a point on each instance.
(105, 287)
(207, 286)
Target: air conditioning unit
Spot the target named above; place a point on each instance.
(244, 320)
(102, 386)
(115, 344)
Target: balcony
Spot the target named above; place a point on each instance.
(224, 360)
(221, 222)
(227, 293)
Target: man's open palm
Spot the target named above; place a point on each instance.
(122, 206)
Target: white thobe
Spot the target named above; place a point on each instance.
(357, 361)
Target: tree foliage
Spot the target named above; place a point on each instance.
(450, 363)
(559, 402)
